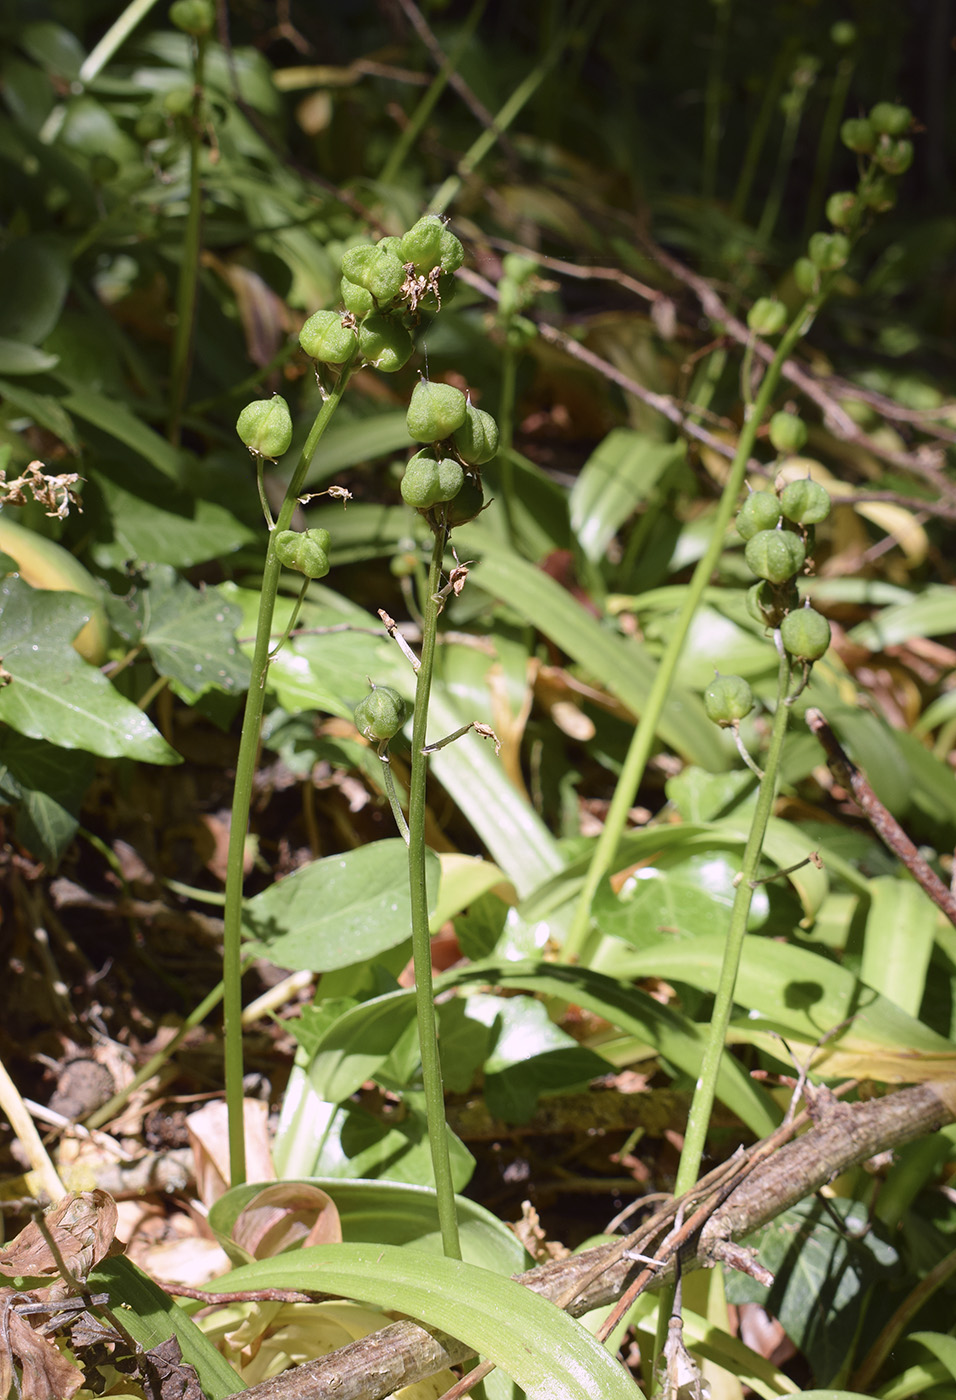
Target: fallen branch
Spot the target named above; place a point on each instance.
(842, 1136)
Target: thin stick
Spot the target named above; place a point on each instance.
(883, 822)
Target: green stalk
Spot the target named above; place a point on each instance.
(703, 1101)
(639, 752)
(793, 104)
(242, 792)
(419, 117)
(827, 143)
(421, 940)
(715, 78)
(188, 288)
(759, 131)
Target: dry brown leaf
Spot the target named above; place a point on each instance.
(83, 1227)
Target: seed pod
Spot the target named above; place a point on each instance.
(805, 634)
(435, 411)
(843, 33)
(806, 274)
(265, 426)
(858, 135)
(305, 551)
(376, 269)
(760, 511)
(788, 433)
(421, 245)
(429, 480)
(356, 299)
(727, 700)
(476, 441)
(381, 714)
(467, 504)
(769, 603)
(878, 193)
(384, 343)
(776, 555)
(829, 251)
(890, 118)
(844, 209)
(195, 17)
(805, 502)
(323, 337)
(767, 316)
(895, 157)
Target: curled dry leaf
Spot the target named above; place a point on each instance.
(286, 1214)
(83, 1227)
(46, 1374)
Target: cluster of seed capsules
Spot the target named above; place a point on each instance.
(779, 531)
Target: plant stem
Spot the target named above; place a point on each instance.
(632, 772)
(828, 139)
(187, 290)
(712, 101)
(242, 792)
(703, 1100)
(421, 941)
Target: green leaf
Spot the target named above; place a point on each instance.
(160, 525)
(35, 276)
(150, 1316)
(898, 941)
(832, 1278)
(53, 693)
(675, 1038)
(190, 634)
(360, 1144)
(48, 785)
(386, 1212)
(341, 910)
(346, 444)
(16, 357)
(616, 478)
(358, 1042)
(545, 1351)
(926, 614)
(123, 425)
(940, 1344)
(45, 410)
(619, 664)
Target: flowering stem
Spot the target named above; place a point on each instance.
(242, 792)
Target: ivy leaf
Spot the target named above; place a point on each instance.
(190, 634)
(53, 693)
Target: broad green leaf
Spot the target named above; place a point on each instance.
(622, 666)
(121, 423)
(190, 634)
(464, 879)
(386, 1212)
(358, 1042)
(162, 525)
(898, 942)
(35, 275)
(616, 478)
(16, 357)
(151, 1316)
(832, 1276)
(47, 784)
(940, 1344)
(53, 693)
(341, 910)
(357, 1143)
(674, 1037)
(45, 410)
(926, 614)
(544, 1350)
(359, 440)
(675, 896)
(805, 996)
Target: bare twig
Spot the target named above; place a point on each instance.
(883, 822)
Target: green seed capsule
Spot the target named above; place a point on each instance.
(829, 251)
(806, 274)
(858, 135)
(890, 118)
(767, 316)
(805, 634)
(476, 441)
(435, 411)
(769, 603)
(305, 551)
(788, 433)
(356, 299)
(776, 555)
(376, 269)
(323, 337)
(384, 343)
(381, 714)
(805, 502)
(844, 209)
(468, 503)
(878, 193)
(760, 511)
(421, 245)
(727, 700)
(265, 426)
(430, 480)
(895, 157)
(195, 17)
